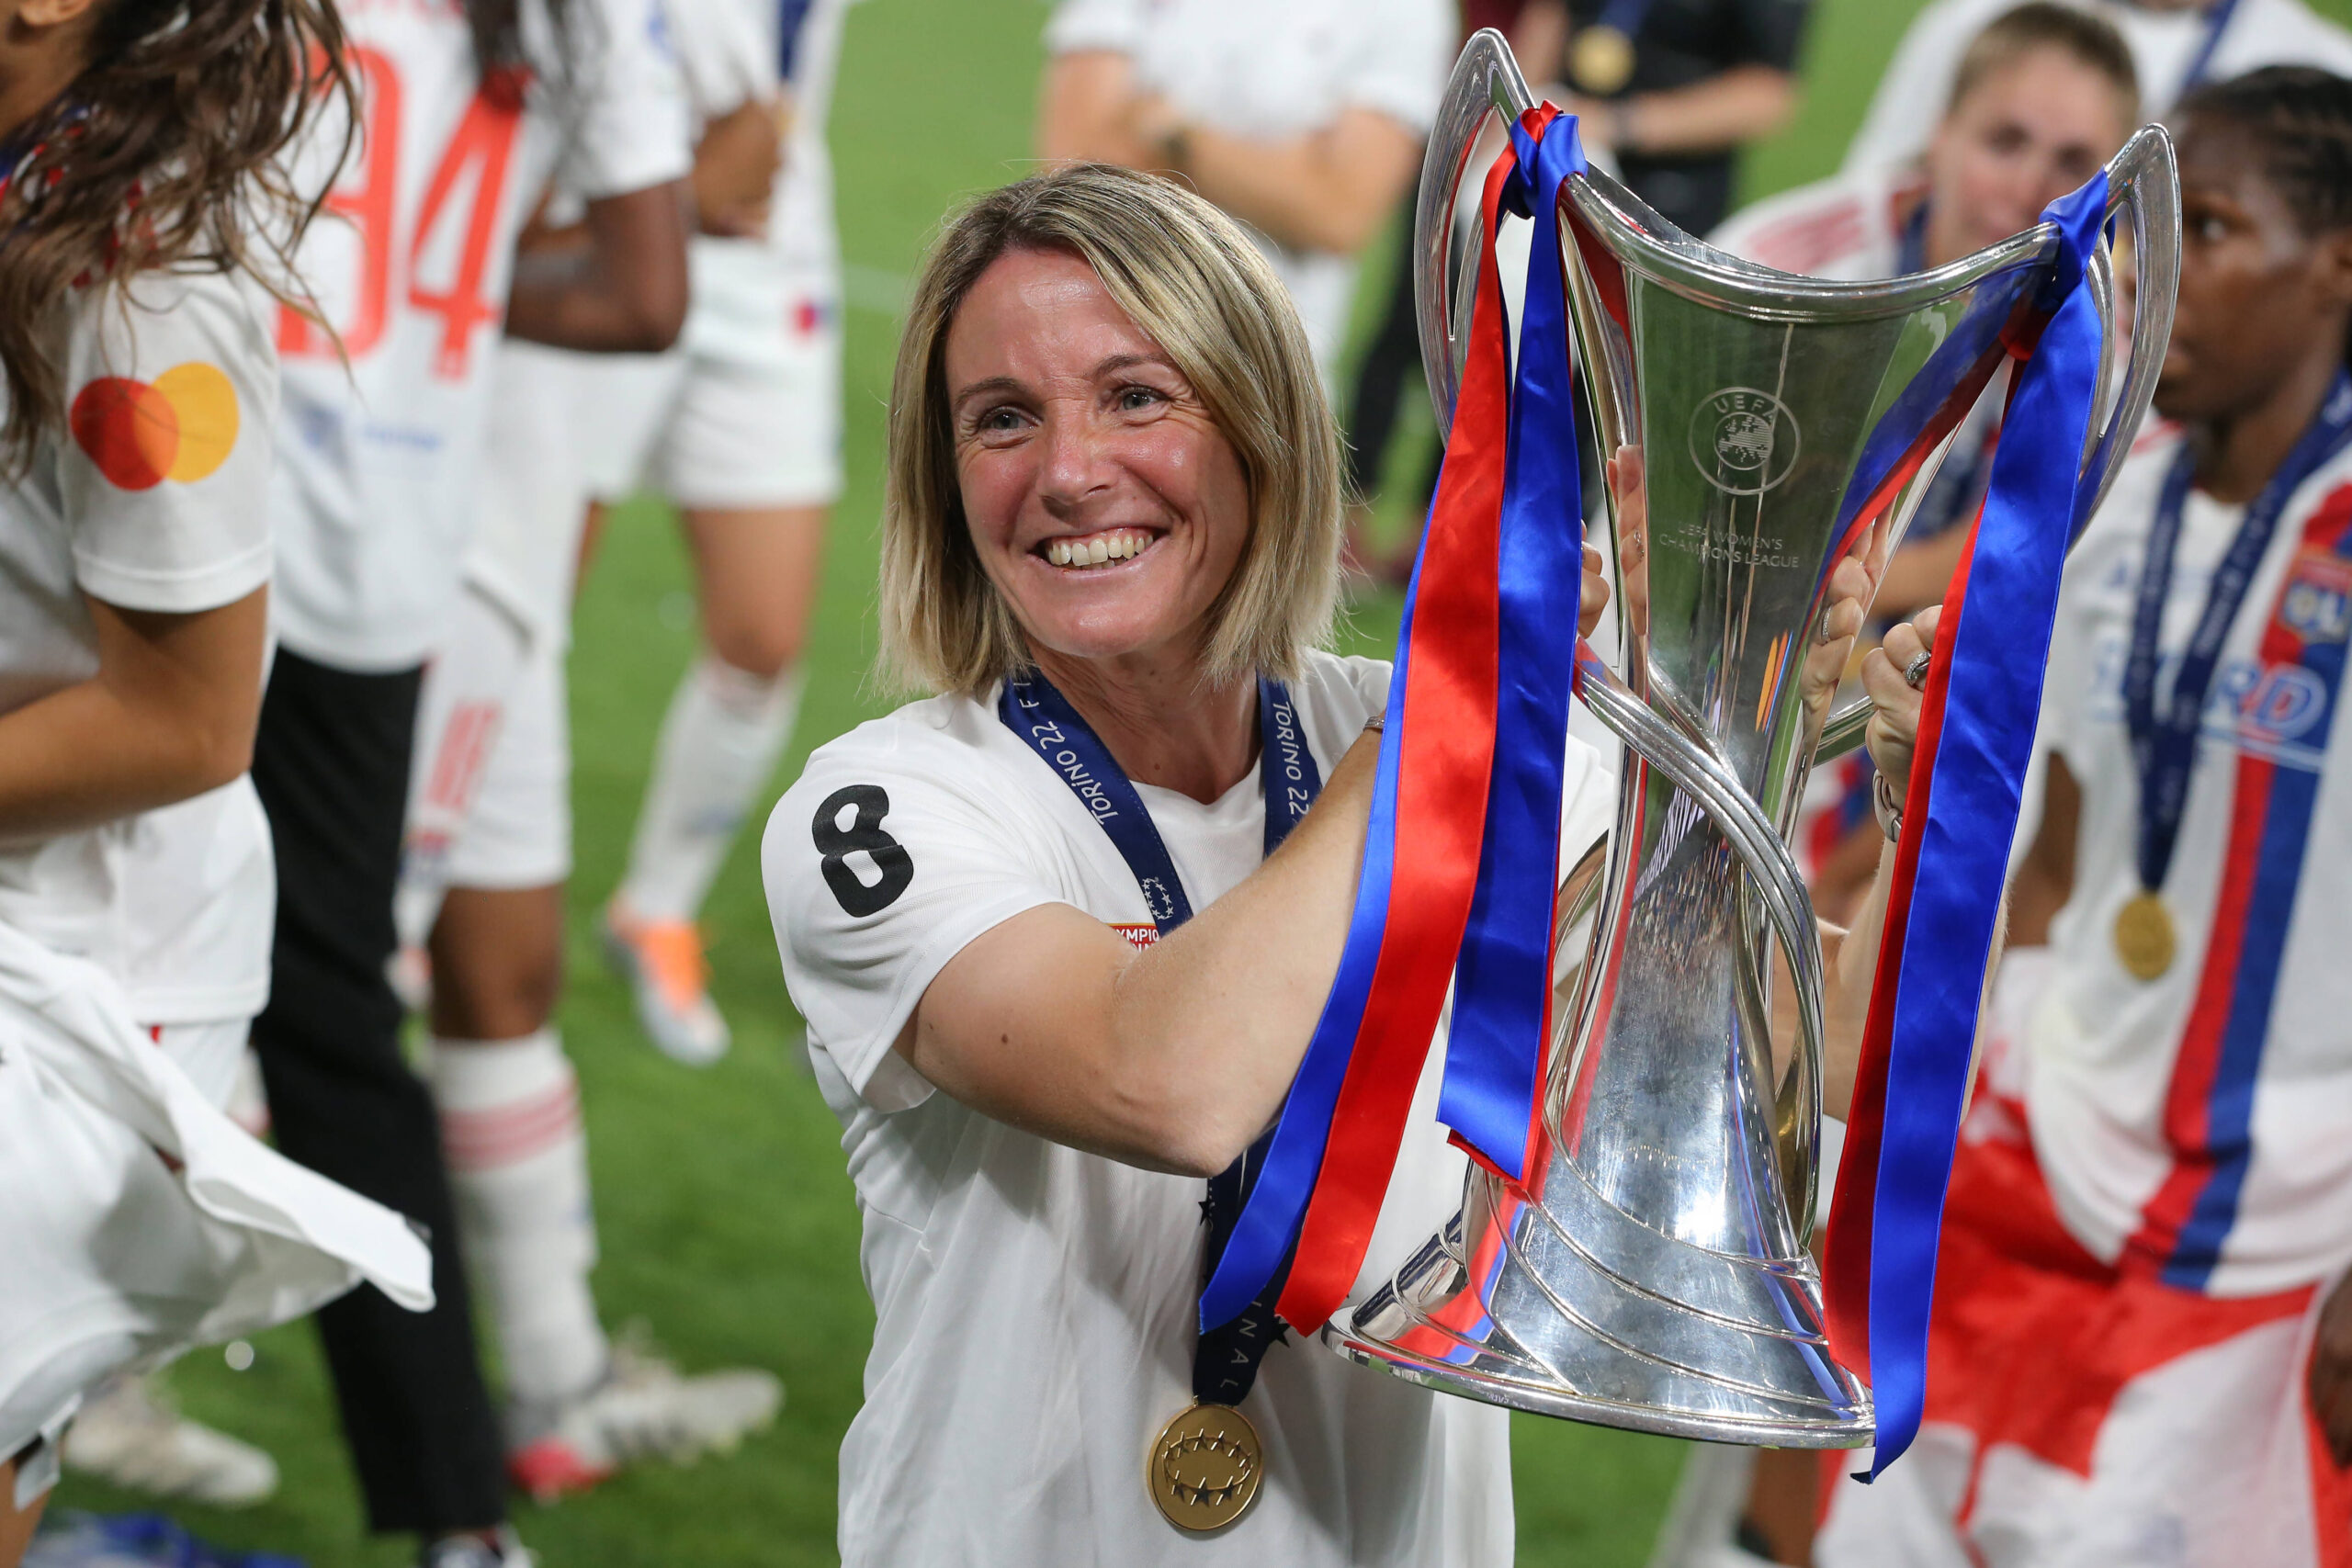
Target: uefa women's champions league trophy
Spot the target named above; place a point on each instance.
(1651, 1271)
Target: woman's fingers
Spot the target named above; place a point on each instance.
(1596, 593)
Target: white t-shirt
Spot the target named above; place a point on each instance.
(155, 498)
(2247, 1030)
(1917, 89)
(379, 474)
(1034, 1305)
(1848, 227)
(1254, 69)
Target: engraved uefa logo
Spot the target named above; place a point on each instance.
(1743, 440)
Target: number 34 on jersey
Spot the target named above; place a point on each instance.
(433, 256)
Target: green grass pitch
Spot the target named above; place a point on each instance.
(726, 1218)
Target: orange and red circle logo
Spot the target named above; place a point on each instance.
(182, 425)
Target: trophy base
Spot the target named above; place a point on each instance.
(1526, 1318)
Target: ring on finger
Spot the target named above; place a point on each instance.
(1915, 675)
(1821, 631)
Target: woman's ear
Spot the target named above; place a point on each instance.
(47, 14)
(2333, 263)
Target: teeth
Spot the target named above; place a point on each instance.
(1121, 544)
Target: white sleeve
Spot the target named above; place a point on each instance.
(879, 871)
(165, 471)
(1404, 49)
(622, 100)
(725, 59)
(1078, 25)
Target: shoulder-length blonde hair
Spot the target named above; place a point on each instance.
(1189, 277)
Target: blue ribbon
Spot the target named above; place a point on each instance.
(1502, 994)
(1492, 1095)
(1999, 650)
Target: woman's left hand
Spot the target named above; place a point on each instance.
(1894, 726)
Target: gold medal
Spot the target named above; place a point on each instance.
(1203, 1467)
(1602, 59)
(2143, 936)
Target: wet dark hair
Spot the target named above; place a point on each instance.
(163, 153)
(2300, 119)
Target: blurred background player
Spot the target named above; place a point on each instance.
(741, 428)
(466, 113)
(1303, 121)
(489, 843)
(145, 217)
(2037, 103)
(2142, 1349)
(2176, 45)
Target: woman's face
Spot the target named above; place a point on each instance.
(2256, 292)
(2024, 136)
(1106, 505)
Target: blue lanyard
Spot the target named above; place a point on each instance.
(2164, 745)
(1225, 1361)
(2217, 21)
(790, 14)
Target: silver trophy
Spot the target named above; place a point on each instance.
(1653, 1271)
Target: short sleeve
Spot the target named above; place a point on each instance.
(878, 872)
(1403, 52)
(623, 101)
(1079, 25)
(164, 466)
(1772, 31)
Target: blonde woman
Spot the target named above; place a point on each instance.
(1054, 971)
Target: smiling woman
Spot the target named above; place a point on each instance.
(1111, 545)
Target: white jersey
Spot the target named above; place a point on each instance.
(1917, 89)
(755, 300)
(1253, 70)
(1035, 1305)
(379, 474)
(154, 498)
(2195, 1124)
(1848, 227)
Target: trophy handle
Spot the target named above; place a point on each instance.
(2145, 182)
(1485, 79)
(1778, 880)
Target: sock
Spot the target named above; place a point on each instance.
(719, 744)
(519, 1159)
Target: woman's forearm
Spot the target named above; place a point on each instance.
(1328, 190)
(170, 714)
(1173, 1058)
(622, 292)
(1712, 116)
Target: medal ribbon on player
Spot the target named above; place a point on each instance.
(1976, 725)
(2164, 745)
(1224, 1362)
(1460, 856)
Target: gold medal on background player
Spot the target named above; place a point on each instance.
(1601, 57)
(1204, 1467)
(2143, 935)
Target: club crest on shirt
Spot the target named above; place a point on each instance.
(2317, 604)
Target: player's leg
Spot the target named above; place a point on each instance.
(331, 762)
(753, 459)
(577, 1407)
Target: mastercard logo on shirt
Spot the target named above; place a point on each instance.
(180, 426)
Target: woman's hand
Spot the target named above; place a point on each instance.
(1595, 594)
(2331, 1374)
(735, 169)
(1895, 727)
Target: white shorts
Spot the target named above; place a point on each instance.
(720, 432)
(494, 806)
